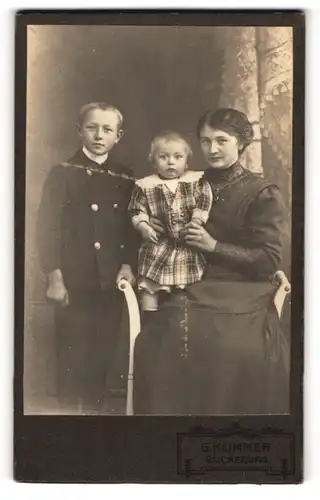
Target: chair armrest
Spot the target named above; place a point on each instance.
(284, 288)
(134, 327)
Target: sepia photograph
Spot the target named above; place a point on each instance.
(159, 219)
(158, 212)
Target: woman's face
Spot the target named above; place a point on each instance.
(220, 149)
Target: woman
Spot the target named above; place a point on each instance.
(217, 348)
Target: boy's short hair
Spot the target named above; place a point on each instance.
(84, 110)
(168, 136)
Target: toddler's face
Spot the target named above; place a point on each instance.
(99, 131)
(170, 159)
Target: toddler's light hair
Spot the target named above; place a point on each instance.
(168, 136)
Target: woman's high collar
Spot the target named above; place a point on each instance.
(219, 175)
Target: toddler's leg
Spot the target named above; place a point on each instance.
(150, 309)
(149, 301)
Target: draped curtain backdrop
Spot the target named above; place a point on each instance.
(160, 77)
(256, 78)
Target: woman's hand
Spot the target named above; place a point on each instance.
(196, 236)
(157, 226)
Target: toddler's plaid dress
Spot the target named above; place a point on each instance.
(170, 262)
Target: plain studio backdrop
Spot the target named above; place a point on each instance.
(160, 78)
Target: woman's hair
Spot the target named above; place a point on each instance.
(168, 136)
(229, 120)
(99, 105)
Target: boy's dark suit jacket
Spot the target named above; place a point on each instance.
(83, 225)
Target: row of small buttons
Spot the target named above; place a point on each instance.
(97, 245)
(95, 207)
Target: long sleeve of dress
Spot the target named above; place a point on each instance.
(204, 197)
(138, 206)
(53, 201)
(261, 252)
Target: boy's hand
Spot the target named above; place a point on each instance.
(56, 290)
(147, 232)
(126, 274)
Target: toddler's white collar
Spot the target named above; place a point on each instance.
(154, 180)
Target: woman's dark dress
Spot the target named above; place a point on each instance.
(217, 348)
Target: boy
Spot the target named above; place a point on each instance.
(86, 244)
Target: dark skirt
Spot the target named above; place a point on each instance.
(215, 349)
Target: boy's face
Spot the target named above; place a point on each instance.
(99, 131)
(170, 159)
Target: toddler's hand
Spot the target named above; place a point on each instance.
(197, 221)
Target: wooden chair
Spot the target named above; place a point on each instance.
(279, 278)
